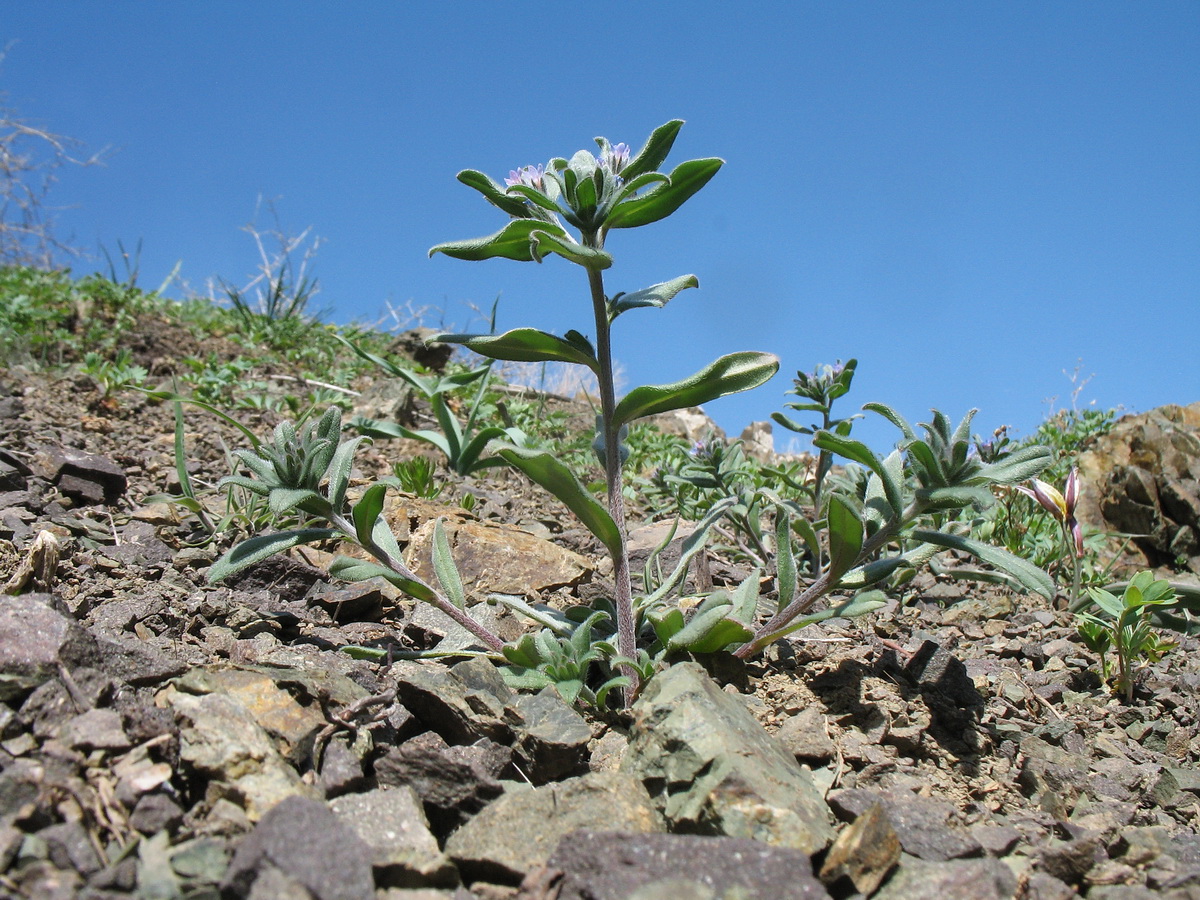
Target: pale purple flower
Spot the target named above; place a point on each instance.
(531, 176)
(616, 157)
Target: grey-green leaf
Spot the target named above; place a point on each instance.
(728, 375)
(1030, 576)
(256, 549)
(523, 345)
(445, 569)
(657, 295)
(510, 242)
(546, 470)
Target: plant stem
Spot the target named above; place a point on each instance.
(626, 638)
(440, 602)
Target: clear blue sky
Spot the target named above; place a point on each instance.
(968, 197)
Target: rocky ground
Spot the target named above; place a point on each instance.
(162, 737)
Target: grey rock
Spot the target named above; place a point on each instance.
(552, 740)
(962, 879)
(616, 866)
(392, 824)
(341, 770)
(1040, 886)
(452, 782)
(86, 476)
(352, 603)
(805, 736)
(1068, 861)
(305, 840)
(713, 769)
(933, 666)
(70, 847)
(154, 813)
(488, 847)
(996, 840)
(96, 729)
(34, 638)
(462, 704)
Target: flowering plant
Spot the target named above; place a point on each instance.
(1061, 505)
(595, 194)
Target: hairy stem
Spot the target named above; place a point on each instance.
(626, 638)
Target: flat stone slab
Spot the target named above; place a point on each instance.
(490, 848)
(713, 769)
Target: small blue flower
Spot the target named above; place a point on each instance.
(615, 158)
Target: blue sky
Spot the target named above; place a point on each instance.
(970, 198)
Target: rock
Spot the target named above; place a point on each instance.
(692, 424)
(805, 735)
(274, 709)
(452, 782)
(360, 602)
(302, 842)
(154, 813)
(34, 638)
(70, 847)
(864, 853)
(933, 666)
(552, 740)
(85, 477)
(1143, 478)
(96, 729)
(713, 769)
(758, 440)
(392, 825)
(497, 559)
(463, 703)
(922, 824)
(221, 740)
(616, 866)
(489, 848)
(962, 879)
(341, 769)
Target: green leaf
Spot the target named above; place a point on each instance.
(894, 417)
(543, 242)
(510, 242)
(339, 473)
(349, 569)
(785, 559)
(663, 199)
(1019, 466)
(366, 512)
(546, 470)
(855, 451)
(657, 295)
(710, 630)
(282, 500)
(654, 153)
(1030, 576)
(444, 567)
(845, 537)
(955, 497)
(494, 192)
(690, 546)
(523, 345)
(728, 375)
(256, 549)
